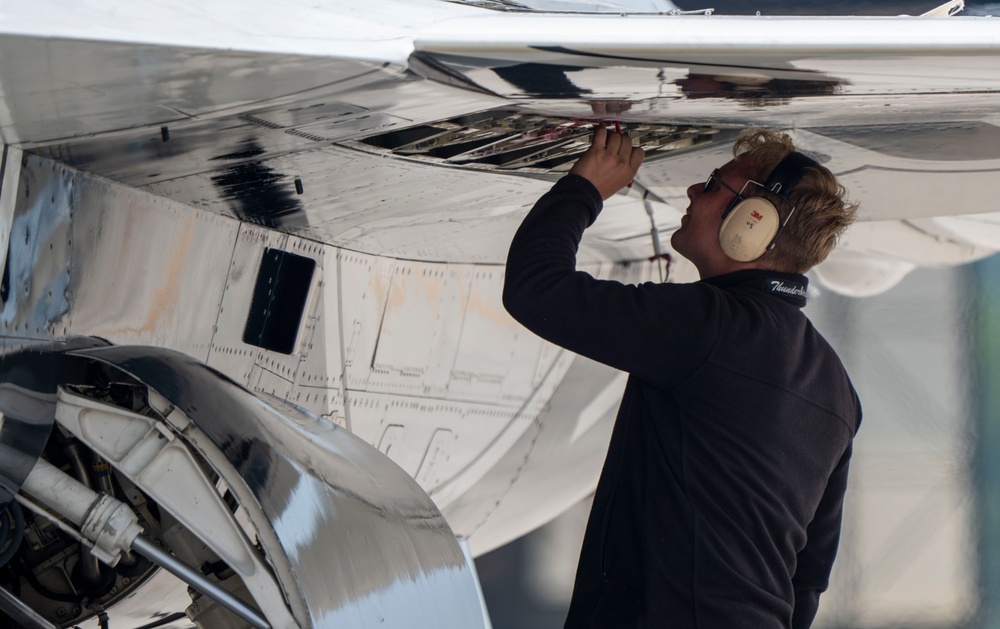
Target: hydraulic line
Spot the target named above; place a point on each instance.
(72, 500)
(21, 613)
(89, 568)
(198, 581)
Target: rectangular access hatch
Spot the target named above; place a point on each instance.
(279, 300)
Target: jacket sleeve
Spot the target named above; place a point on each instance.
(658, 332)
(815, 561)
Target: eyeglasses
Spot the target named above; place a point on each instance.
(715, 178)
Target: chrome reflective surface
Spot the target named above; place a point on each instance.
(81, 101)
(898, 123)
(418, 359)
(366, 545)
(167, 146)
(829, 7)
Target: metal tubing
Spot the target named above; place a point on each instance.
(21, 613)
(198, 581)
(88, 562)
(60, 491)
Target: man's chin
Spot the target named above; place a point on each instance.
(677, 241)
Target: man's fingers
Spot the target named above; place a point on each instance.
(635, 159)
(611, 161)
(613, 142)
(600, 137)
(630, 154)
(625, 149)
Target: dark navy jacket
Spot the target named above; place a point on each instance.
(720, 501)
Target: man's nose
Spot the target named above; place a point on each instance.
(692, 189)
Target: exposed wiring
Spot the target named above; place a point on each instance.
(658, 255)
(98, 610)
(662, 259)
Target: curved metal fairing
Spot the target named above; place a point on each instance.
(356, 538)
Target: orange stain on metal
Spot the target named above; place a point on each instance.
(167, 294)
(489, 310)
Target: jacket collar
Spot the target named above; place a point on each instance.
(789, 287)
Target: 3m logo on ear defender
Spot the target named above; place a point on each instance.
(757, 215)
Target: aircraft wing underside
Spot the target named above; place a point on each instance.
(902, 109)
(164, 164)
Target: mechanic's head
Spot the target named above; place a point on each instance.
(821, 214)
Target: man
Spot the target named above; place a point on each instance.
(720, 501)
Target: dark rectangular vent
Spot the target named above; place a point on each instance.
(279, 300)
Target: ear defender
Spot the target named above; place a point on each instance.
(751, 226)
(749, 229)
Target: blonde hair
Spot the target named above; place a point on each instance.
(822, 210)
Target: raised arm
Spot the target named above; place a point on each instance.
(627, 327)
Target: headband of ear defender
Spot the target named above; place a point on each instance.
(750, 226)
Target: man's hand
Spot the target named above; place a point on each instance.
(610, 163)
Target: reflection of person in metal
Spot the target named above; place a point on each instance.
(609, 108)
(756, 90)
(720, 500)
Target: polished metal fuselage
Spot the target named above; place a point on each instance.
(154, 156)
(154, 175)
(417, 358)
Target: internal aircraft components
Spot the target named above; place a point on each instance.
(21, 613)
(280, 519)
(512, 141)
(106, 522)
(28, 381)
(112, 530)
